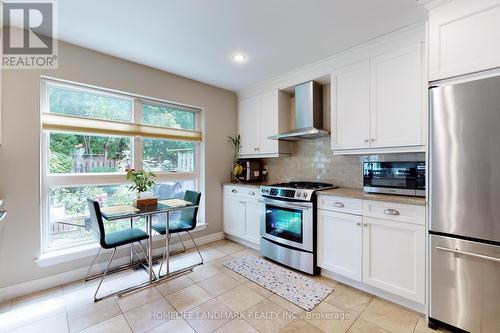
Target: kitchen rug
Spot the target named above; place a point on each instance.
(296, 288)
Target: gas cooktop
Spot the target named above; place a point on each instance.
(295, 190)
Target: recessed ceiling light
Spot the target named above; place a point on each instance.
(239, 58)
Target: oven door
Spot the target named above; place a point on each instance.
(289, 223)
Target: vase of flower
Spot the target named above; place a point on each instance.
(142, 185)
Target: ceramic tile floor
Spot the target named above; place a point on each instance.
(205, 300)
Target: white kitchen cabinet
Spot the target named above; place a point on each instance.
(234, 215)
(253, 211)
(249, 115)
(351, 107)
(394, 257)
(378, 104)
(259, 118)
(463, 37)
(396, 98)
(242, 211)
(339, 243)
(383, 249)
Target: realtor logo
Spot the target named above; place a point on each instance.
(28, 39)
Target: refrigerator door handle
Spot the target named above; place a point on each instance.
(470, 254)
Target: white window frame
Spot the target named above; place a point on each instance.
(49, 180)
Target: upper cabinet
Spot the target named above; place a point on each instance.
(463, 37)
(396, 98)
(351, 107)
(378, 104)
(259, 118)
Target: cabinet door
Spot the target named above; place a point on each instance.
(339, 243)
(249, 125)
(268, 107)
(397, 110)
(394, 257)
(234, 216)
(351, 107)
(463, 38)
(253, 212)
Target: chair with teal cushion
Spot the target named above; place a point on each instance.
(110, 240)
(184, 222)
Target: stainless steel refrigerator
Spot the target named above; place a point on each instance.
(464, 199)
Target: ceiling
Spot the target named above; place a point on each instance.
(197, 38)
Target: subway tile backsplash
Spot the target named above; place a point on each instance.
(314, 161)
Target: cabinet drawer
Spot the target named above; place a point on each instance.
(247, 192)
(394, 211)
(340, 204)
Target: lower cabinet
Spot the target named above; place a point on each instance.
(242, 212)
(253, 211)
(386, 254)
(234, 216)
(394, 257)
(339, 249)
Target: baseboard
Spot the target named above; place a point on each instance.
(417, 307)
(56, 280)
(243, 242)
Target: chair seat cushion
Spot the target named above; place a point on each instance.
(177, 225)
(122, 237)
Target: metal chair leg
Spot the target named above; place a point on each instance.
(164, 254)
(145, 256)
(103, 276)
(182, 243)
(92, 264)
(196, 246)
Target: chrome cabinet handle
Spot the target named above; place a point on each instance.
(391, 211)
(372, 140)
(251, 193)
(470, 254)
(234, 190)
(358, 224)
(365, 225)
(338, 204)
(366, 140)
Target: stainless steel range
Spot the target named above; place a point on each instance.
(288, 224)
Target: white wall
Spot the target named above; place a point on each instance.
(20, 149)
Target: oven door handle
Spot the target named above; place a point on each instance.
(281, 205)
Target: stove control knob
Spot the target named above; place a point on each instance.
(305, 194)
(298, 194)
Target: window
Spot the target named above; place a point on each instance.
(90, 138)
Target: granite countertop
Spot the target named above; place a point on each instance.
(360, 194)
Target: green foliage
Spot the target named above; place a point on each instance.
(141, 180)
(236, 142)
(87, 104)
(60, 163)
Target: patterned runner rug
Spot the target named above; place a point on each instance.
(296, 288)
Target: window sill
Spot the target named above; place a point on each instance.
(84, 251)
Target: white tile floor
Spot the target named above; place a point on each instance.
(185, 304)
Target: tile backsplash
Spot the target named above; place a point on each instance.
(314, 161)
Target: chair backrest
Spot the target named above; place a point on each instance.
(189, 215)
(96, 222)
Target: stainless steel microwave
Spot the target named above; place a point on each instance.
(402, 178)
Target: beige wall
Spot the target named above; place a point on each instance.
(20, 149)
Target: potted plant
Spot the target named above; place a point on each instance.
(236, 169)
(142, 183)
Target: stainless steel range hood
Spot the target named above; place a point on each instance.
(308, 114)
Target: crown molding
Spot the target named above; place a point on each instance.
(431, 4)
